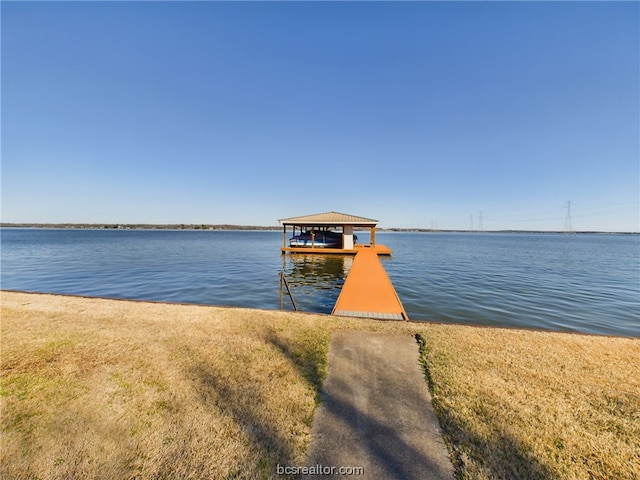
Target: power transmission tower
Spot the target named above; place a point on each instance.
(568, 228)
(471, 223)
(480, 224)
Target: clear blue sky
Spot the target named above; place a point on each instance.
(419, 114)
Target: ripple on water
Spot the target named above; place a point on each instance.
(586, 283)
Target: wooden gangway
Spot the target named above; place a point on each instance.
(368, 292)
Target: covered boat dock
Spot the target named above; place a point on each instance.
(344, 223)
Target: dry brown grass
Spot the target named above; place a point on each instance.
(538, 405)
(112, 389)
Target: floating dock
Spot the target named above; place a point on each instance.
(378, 248)
(368, 292)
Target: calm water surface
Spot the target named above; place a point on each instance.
(582, 283)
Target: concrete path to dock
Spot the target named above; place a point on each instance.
(375, 413)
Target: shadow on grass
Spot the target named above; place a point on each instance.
(270, 446)
(500, 455)
(308, 357)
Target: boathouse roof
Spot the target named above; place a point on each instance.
(329, 218)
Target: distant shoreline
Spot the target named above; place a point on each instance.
(139, 226)
(179, 226)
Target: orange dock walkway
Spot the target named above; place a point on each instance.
(368, 292)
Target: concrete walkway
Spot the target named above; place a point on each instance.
(376, 412)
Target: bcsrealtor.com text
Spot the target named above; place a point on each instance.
(319, 470)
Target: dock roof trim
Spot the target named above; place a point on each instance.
(329, 218)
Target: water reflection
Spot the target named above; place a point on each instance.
(315, 280)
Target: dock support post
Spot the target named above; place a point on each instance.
(347, 237)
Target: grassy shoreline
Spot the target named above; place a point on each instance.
(96, 388)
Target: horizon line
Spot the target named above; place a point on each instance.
(227, 226)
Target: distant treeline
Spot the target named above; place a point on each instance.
(184, 226)
(140, 226)
(552, 232)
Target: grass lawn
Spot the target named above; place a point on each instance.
(109, 389)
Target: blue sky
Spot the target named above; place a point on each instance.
(419, 114)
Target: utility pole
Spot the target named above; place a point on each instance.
(568, 228)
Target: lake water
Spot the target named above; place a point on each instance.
(580, 283)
